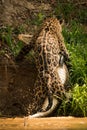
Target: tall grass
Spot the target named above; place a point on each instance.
(76, 101)
(76, 41)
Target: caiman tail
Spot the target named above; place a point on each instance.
(48, 112)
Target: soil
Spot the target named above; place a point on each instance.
(16, 85)
(58, 123)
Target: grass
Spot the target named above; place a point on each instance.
(8, 36)
(76, 41)
(70, 10)
(76, 102)
(79, 100)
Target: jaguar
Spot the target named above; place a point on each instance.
(49, 47)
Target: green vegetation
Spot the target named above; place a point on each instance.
(8, 36)
(76, 101)
(72, 10)
(76, 41)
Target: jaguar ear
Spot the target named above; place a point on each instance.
(61, 20)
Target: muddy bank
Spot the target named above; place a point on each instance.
(59, 123)
(16, 85)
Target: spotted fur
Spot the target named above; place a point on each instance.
(48, 45)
